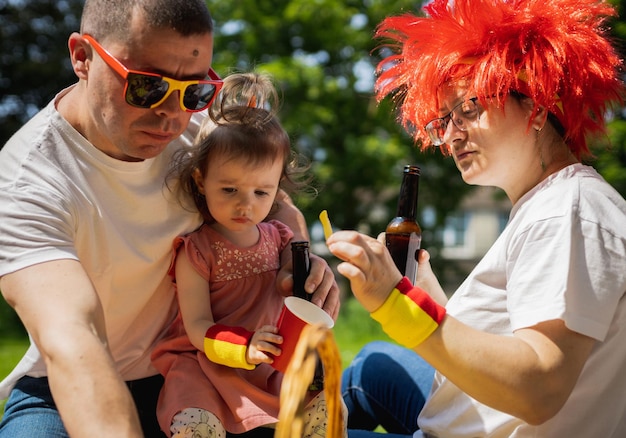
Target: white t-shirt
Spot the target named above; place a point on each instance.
(562, 256)
(61, 198)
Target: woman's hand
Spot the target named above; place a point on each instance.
(367, 264)
(427, 280)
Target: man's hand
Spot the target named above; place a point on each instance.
(320, 282)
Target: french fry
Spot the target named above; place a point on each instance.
(328, 229)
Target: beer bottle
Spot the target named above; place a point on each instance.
(301, 267)
(403, 235)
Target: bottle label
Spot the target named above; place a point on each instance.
(415, 241)
(403, 248)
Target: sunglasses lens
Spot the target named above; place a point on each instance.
(198, 96)
(144, 90)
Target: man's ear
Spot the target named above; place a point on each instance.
(80, 55)
(198, 179)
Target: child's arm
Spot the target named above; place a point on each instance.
(236, 347)
(194, 300)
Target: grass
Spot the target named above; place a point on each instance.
(354, 328)
(11, 351)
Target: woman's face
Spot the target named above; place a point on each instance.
(498, 148)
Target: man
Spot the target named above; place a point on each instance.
(86, 221)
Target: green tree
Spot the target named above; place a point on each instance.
(34, 57)
(610, 152)
(323, 56)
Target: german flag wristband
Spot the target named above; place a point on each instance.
(409, 315)
(227, 345)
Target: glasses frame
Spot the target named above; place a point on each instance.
(173, 84)
(433, 133)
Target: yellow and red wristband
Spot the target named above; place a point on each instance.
(227, 345)
(409, 315)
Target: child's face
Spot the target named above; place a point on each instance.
(239, 195)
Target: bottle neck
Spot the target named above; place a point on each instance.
(301, 266)
(407, 201)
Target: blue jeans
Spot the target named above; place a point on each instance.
(30, 410)
(385, 385)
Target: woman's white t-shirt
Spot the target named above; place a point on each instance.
(561, 256)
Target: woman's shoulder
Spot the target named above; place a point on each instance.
(577, 193)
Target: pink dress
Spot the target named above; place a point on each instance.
(243, 293)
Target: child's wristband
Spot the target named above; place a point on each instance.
(227, 345)
(409, 315)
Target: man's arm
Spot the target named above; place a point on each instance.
(289, 214)
(61, 310)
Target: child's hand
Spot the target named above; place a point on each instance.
(263, 342)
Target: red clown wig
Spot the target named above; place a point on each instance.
(554, 52)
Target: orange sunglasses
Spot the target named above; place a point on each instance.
(149, 90)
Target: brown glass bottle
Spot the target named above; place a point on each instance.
(301, 267)
(404, 234)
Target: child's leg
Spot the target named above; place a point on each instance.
(196, 423)
(316, 417)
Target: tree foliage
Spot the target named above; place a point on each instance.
(34, 57)
(322, 55)
(610, 152)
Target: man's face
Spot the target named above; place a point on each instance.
(129, 133)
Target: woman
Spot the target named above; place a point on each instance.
(533, 343)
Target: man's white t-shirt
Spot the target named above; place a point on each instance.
(61, 198)
(561, 256)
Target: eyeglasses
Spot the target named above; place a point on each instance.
(149, 90)
(462, 115)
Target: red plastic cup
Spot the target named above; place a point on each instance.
(296, 314)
